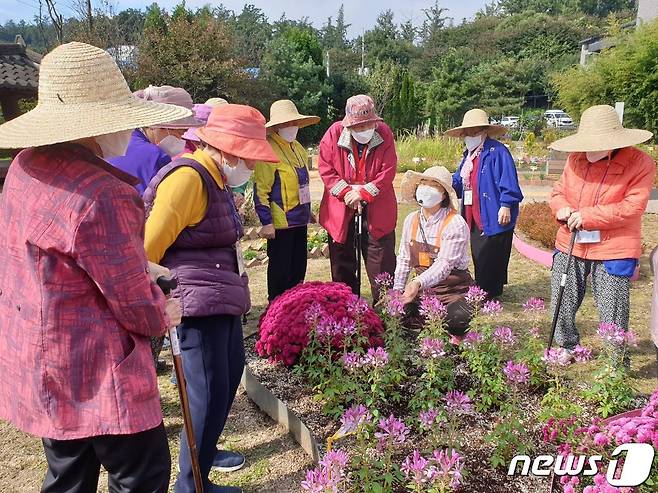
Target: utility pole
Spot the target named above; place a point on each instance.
(89, 17)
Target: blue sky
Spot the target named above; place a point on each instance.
(360, 13)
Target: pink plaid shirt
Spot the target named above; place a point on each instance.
(77, 305)
(453, 253)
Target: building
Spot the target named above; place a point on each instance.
(19, 76)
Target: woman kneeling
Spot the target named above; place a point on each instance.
(434, 244)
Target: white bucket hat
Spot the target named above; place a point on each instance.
(436, 174)
(476, 118)
(600, 130)
(82, 93)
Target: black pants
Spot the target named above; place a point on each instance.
(135, 463)
(491, 258)
(378, 255)
(287, 260)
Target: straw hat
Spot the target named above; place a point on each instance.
(238, 130)
(437, 174)
(284, 112)
(600, 130)
(216, 102)
(82, 94)
(476, 118)
(171, 95)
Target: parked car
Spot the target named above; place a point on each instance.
(558, 119)
(510, 121)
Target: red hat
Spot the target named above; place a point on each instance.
(360, 109)
(238, 130)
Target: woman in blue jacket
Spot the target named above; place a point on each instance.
(487, 183)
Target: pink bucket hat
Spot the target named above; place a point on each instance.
(360, 109)
(238, 130)
(170, 95)
(201, 112)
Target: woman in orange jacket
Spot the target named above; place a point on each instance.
(602, 194)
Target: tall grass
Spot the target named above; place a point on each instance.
(419, 153)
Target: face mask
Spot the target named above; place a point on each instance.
(364, 136)
(172, 145)
(472, 143)
(593, 157)
(114, 144)
(237, 175)
(428, 196)
(289, 134)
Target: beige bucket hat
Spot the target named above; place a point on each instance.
(476, 118)
(284, 112)
(601, 130)
(82, 93)
(436, 174)
(216, 102)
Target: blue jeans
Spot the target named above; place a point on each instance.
(212, 349)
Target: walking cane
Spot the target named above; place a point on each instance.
(563, 282)
(167, 285)
(358, 230)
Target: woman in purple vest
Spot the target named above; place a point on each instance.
(194, 229)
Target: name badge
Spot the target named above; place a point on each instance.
(468, 197)
(305, 194)
(240, 258)
(584, 236)
(425, 259)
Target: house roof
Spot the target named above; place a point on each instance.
(19, 68)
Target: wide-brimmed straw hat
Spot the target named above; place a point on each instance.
(436, 174)
(601, 130)
(238, 130)
(476, 118)
(201, 113)
(171, 95)
(284, 113)
(82, 94)
(216, 102)
(360, 109)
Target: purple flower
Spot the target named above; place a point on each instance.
(475, 295)
(384, 280)
(471, 339)
(335, 462)
(414, 468)
(535, 332)
(394, 306)
(376, 357)
(357, 307)
(631, 338)
(504, 335)
(582, 354)
(432, 309)
(458, 402)
(428, 418)
(612, 333)
(553, 357)
(318, 481)
(392, 431)
(535, 305)
(354, 417)
(492, 307)
(449, 467)
(326, 328)
(517, 372)
(432, 348)
(346, 327)
(314, 314)
(352, 361)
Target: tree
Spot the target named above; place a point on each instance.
(384, 43)
(434, 21)
(252, 32)
(500, 85)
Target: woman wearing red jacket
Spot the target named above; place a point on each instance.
(358, 164)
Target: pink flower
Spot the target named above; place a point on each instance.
(458, 402)
(582, 354)
(357, 306)
(376, 357)
(492, 307)
(384, 280)
(631, 338)
(612, 333)
(535, 332)
(504, 335)
(428, 418)
(354, 417)
(335, 461)
(471, 339)
(318, 481)
(553, 357)
(414, 468)
(394, 305)
(535, 305)
(432, 309)
(432, 348)
(517, 372)
(392, 431)
(475, 295)
(449, 467)
(352, 361)
(601, 439)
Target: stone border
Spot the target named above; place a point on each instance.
(279, 412)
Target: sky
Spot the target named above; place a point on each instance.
(361, 14)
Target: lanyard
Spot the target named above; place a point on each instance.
(360, 163)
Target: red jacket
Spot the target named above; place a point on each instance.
(338, 170)
(77, 305)
(622, 188)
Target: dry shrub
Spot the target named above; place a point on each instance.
(537, 223)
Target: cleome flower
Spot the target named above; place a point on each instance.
(517, 372)
(432, 348)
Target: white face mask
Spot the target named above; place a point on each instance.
(289, 134)
(114, 144)
(237, 175)
(472, 143)
(593, 157)
(428, 196)
(172, 145)
(364, 136)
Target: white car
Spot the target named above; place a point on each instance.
(510, 121)
(558, 119)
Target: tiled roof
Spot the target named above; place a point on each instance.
(19, 68)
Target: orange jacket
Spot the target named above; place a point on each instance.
(611, 197)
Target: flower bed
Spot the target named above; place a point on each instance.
(422, 412)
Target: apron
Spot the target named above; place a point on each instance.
(422, 256)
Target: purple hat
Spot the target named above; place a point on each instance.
(201, 112)
(360, 109)
(170, 95)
